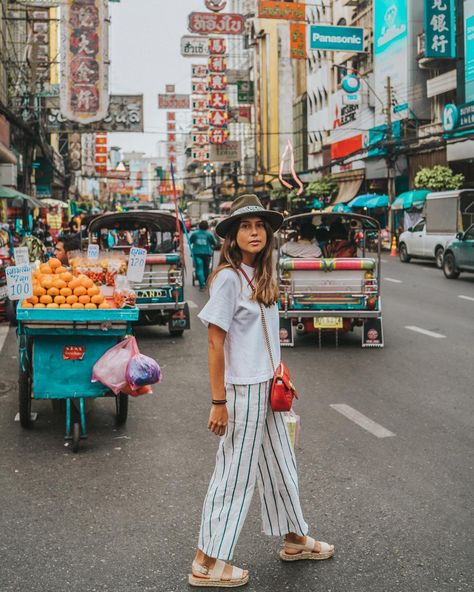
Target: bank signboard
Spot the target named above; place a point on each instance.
(329, 38)
(391, 50)
(458, 117)
(440, 29)
(469, 49)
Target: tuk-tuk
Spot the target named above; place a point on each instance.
(160, 294)
(333, 285)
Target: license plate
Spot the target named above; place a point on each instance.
(328, 323)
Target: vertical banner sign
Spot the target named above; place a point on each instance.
(84, 95)
(391, 51)
(440, 29)
(469, 50)
(298, 41)
(101, 153)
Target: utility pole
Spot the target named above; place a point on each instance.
(389, 158)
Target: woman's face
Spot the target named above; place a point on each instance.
(252, 235)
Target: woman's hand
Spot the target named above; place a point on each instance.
(218, 419)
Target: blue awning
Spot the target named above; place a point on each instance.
(410, 199)
(361, 200)
(340, 208)
(380, 201)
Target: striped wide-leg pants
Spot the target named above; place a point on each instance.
(255, 447)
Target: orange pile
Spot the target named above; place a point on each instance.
(55, 287)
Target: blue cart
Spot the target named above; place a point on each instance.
(58, 349)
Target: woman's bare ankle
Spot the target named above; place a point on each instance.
(291, 537)
(204, 559)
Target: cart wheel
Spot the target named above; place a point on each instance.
(24, 393)
(76, 436)
(121, 406)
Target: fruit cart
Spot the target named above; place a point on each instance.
(58, 349)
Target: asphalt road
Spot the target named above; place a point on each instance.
(123, 514)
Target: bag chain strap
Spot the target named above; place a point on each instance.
(264, 321)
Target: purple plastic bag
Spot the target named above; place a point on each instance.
(142, 371)
(111, 368)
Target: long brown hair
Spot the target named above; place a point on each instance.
(266, 288)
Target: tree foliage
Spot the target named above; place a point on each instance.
(322, 188)
(438, 178)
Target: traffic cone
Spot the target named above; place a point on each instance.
(393, 252)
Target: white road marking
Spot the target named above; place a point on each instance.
(363, 421)
(393, 280)
(3, 335)
(192, 304)
(425, 332)
(466, 298)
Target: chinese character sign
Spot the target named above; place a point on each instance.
(440, 29)
(84, 67)
(298, 41)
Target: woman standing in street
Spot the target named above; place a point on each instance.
(254, 444)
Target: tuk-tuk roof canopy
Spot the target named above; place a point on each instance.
(153, 220)
(315, 218)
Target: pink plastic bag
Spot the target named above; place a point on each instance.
(111, 368)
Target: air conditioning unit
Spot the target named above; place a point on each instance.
(8, 175)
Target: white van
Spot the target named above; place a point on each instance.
(445, 214)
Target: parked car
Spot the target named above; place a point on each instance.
(446, 213)
(416, 242)
(459, 254)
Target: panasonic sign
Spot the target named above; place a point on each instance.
(329, 38)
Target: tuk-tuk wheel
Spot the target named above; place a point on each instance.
(76, 436)
(121, 407)
(176, 332)
(24, 395)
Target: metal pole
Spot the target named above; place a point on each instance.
(389, 159)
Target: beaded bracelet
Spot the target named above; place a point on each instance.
(219, 401)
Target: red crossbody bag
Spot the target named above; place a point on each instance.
(282, 390)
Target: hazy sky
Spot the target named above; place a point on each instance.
(145, 55)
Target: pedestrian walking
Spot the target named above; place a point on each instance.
(254, 443)
(202, 242)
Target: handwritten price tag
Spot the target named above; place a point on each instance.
(22, 257)
(93, 252)
(19, 282)
(136, 264)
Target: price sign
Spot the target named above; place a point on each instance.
(19, 282)
(136, 264)
(93, 252)
(22, 257)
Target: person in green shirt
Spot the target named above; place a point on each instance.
(202, 242)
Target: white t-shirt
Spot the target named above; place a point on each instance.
(230, 308)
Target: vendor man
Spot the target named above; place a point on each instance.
(66, 245)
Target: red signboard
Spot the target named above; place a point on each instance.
(217, 46)
(173, 101)
(217, 100)
(217, 64)
(217, 82)
(346, 147)
(298, 41)
(206, 23)
(218, 136)
(74, 352)
(218, 118)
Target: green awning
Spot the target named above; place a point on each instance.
(19, 197)
(410, 199)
